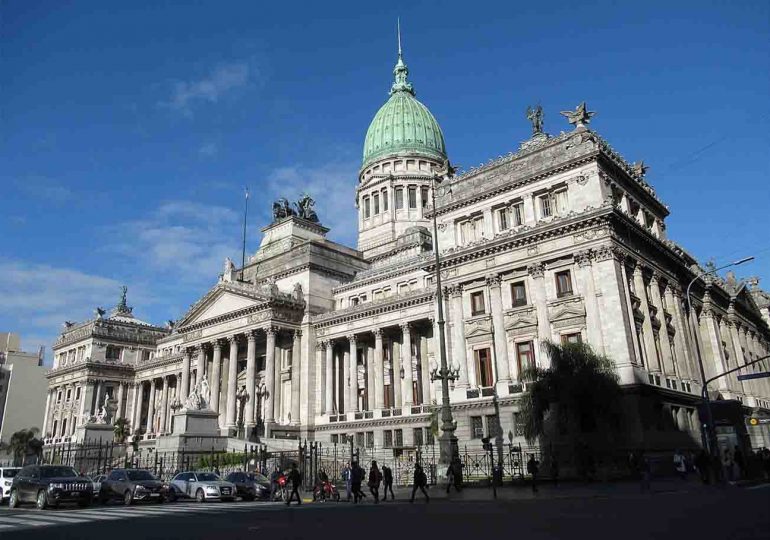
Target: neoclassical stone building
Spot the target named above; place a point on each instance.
(561, 240)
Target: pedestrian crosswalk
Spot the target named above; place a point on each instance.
(28, 518)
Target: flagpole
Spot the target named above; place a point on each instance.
(245, 214)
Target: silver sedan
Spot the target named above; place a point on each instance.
(202, 486)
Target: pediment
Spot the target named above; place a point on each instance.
(220, 300)
(479, 327)
(520, 320)
(567, 311)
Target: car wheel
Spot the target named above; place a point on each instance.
(42, 500)
(200, 496)
(13, 500)
(128, 498)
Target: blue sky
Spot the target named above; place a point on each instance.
(129, 129)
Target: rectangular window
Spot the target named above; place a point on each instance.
(517, 214)
(412, 197)
(418, 441)
(477, 427)
(492, 425)
(518, 294)
(388, 438)
(69, 394)
(384, 200)
(367, 211)
(518, 425)
(640, 343)
(370, 439)
(429, 436)
(335, 439)
(525, 356)
(560, 200)
(376, 199)
(563, 284)
(572, 338)
(424, 196)
(77, 393)
(477, 303)
(360, 439)
(546, 206)
(399, 198)
(398, 436)
(503, 223)
(353, 301)
(483, 368)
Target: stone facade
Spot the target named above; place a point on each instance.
(563, 240)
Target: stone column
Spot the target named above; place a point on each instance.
(296, 365)
(232, 377)
(501, 343)
(425, 364)
(164, 404)
(200, 368)
(635, 345)
(406, 363)
(396, 381)
(151, 407)
(537, 276)
(458, 334)
(379, 371)
(251, 372)
(98, 398)
(588, 288)
(272, 389)
(47, 411)
(329, 386)
(351, 379)
(649, 340)
(665, 343)
(681, 365)
(369, 379)
(185, 390)
(121, 399)
(216, 374)
(85, 397)
(137, 412)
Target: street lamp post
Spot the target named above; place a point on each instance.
(709, 438)
(448, 450)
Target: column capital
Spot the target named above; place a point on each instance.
(216, 344)
(455, 290)
(583, 257)
(352, 338)
(233, 339)
(297, 333)
(493, 280)
(655, 277)
(251, 336)
(377, 333)
(608, 252)
(405, 327)
(536, 270)
(271, 330)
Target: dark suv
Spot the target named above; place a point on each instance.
(49, 485)
(132, 485)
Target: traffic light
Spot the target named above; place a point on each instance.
(485, 442)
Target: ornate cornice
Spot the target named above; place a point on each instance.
(391, 303)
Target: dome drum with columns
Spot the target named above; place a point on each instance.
(562, 240)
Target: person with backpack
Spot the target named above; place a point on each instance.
(296, 482)
(387, 481)
(420, 481)
(356, 477)
(454, 475)
(375, 477)
(346, 475)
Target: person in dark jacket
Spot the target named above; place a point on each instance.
(296, 481)
(454, 475)
(387, 481)
(375, 477)
(420, 481)
(356, 477)
(533, 467)
(274, 486)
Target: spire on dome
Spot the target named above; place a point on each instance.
(400, 72)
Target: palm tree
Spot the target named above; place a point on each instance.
(121, 430)
(575, 401)
(23, 443)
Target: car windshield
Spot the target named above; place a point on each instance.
(10, 473)
(57, 472)
(256, 477)
(140, 475)
(207, 477)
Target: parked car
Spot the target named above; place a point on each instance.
(50, 485)
(6, 479)
(96, 481)
(132, 485)
(202, 486)
(250, 485)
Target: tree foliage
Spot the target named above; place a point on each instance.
(579, 394)
(24, 443)
(121, 429)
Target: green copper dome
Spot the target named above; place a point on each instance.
(403, 125)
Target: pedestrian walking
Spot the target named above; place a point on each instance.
(387, 482)
(740, 463)
(555, 470)
(356, 477)
(644, 472)
(346, 477)
(420, 481)
(375, 478)
(274, 485)
(727, 464)
(296, 481)
(702, 461)
(680, 464)
(533, 468)
(454, 475)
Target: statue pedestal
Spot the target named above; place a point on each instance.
(95, 433)
(194, 430)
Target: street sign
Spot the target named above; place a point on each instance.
(749, 376)
(754, 421)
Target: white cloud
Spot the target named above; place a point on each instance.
(210, 89)
(46, 189)
(209, 149)
(332, 186)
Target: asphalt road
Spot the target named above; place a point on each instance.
(732, 513)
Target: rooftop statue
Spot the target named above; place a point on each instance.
(580, 116)
(535, 116)
(640, 168)
(305, 208)
(282, 209)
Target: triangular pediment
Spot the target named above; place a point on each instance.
(221, 300)
(474, 328)
(567, 311)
